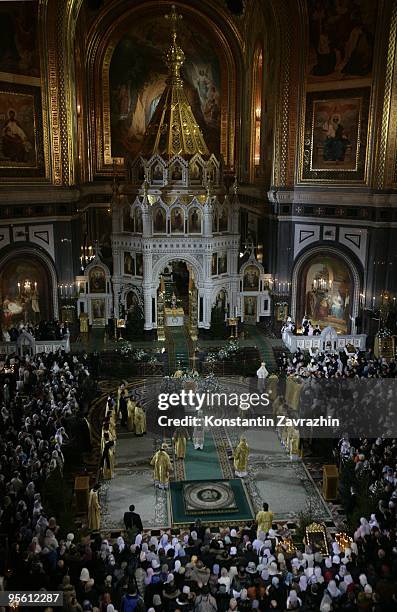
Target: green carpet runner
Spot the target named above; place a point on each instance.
(203, 464)
(177, 337)
(265, 349)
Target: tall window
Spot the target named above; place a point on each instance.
(257, 111)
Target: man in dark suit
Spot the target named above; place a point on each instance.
(132, 519)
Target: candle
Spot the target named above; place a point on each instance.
(19, 288)
(373, 301)
(235, 312)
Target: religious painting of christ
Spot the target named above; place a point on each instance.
(18, 138)
(336, 135)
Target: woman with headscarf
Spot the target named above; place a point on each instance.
(293, 601)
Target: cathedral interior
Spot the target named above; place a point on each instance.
(199, 198)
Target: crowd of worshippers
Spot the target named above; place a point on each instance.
(199, 570)
(40, 415)
(45, 330)
(327, 364)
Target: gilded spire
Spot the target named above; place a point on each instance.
(173, 129)
(174, 56)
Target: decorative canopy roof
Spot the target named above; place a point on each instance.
(173, 129)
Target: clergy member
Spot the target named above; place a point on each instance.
(262, 374)
(240, 456)
(198, 436)
(180, 438)
(130, 414)
(139, 421)
(264, 519)
(94, 509)
(161, 463)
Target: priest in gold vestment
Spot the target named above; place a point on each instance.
(139, 420)
(94, 509)
(180, 438)
(240, 457)
(131, 414)
(161, 463)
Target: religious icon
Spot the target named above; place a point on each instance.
(129, 264)
(223, 221)
(177, 221)
(195, 221)
(215, 222)
(250, 306)
(176, 172)
(159, 225)
(139, 264)
(251, 279)
(138, 221)
(158, 172)
(222, 264)
(98, 309)
(214, 262)
(97, 280)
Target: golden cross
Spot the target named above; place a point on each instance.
(173, 17)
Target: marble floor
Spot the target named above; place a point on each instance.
(284, 484)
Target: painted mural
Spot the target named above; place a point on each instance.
(137, 79)
(17, 130)
(24, 289)
(328, 293)
(342, 34)
(19, 52)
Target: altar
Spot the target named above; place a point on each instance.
(174, 317)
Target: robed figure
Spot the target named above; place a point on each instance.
(94, 509)
(161, 463)
(240, 456)
(130, 414)
(198, 436)
(180, 439)
(139, 420)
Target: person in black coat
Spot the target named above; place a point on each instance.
(132, 519)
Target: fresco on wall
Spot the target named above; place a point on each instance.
(24, 293)
(19, 52)
(137, 78)
(342, 34)
(328, 293)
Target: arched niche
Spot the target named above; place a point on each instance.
(26, 289)
(211, 81)
(325, 288)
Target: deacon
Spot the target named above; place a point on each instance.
(240, 456)
(161, 463)
(94, 509)
(180, 438)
